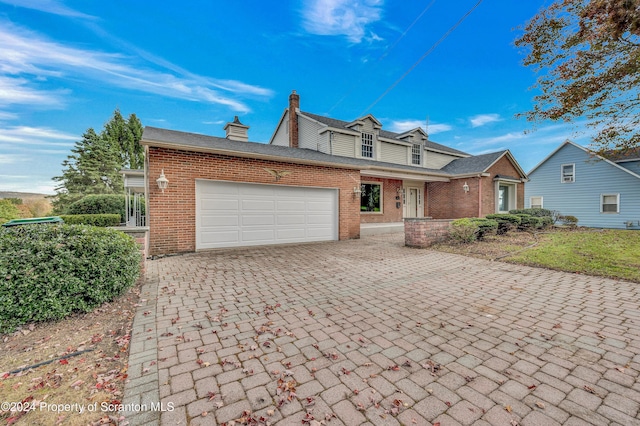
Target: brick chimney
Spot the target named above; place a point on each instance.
(236, 131)
(294, 107)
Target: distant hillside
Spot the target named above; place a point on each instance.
(22, 195)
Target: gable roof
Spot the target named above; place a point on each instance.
(339, 124)
(587, 151)
(172, 139)
(480, 163)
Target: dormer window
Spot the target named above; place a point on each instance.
(416, 154)
(367, 145)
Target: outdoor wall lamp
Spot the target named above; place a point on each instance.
(465, 187)
(356, 191)
(162, 181)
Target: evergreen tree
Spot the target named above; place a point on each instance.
(125, 136)
(92, 168)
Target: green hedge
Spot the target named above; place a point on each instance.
(102, 204)
(49, 271)
(506, 222)
(467, 230)
(533, 212)
(102, 220)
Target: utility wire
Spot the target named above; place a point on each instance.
(384, 54)
(431, 49)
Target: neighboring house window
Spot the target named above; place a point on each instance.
(535, 202)
(367, 145)
(568, 173)
(610, 203)
(371, 197)
(416, 154)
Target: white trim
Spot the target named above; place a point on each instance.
(541, 201)
(364, 182)
(512, 196)
(573, 174)
(617, 203)
(588, 152)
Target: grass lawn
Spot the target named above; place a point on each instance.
(608, 253)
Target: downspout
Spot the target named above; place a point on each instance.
(479, 195)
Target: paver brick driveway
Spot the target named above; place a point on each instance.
(371, 332)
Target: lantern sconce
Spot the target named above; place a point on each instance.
(356, 192)
(465, 187)
(162, 181)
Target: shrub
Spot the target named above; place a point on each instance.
(8, 211)
(485, 226)
(570, 221)
(533, 212)
(506, 222)
(102, 220)
(546, 221)
(100, 204)
(463, 230)
(529, 222)
(467, 230)
(49, 271)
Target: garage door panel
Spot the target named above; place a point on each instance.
(292, 234)
(251, 236)
(218, 237)
(319, 220)
(230, 214)
(219, 220)
(259, 205)
(217, 204)
(290, 206)
(253, 220)
(291, 219)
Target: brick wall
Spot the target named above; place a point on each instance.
(447, 200)
(172, 215)
(423, 232)
(390, 213)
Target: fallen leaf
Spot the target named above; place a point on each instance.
(540, 404)
(508, 408)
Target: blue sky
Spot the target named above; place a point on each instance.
(65, 66)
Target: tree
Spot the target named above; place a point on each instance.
(92, 168)
(95, 162)
(8, 211)
(125, 135)
(588, 54)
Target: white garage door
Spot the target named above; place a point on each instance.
(231, 214)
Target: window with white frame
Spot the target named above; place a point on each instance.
(535, 202)
(568, 172)
(367, 145)
(610, 203)
(371, 197)
(416, 154)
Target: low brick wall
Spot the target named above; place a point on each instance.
(425, 231)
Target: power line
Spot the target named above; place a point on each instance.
(384, 54)
(431, 49)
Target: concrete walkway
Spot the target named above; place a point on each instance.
(370, 332)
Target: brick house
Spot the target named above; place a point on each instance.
(318, 179)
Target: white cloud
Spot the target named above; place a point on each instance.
(400, 126)
(6, 116)
(482, 119)
(11, 158)
(18, 136)
(14, 91)
(26, 53)
(48, 6)
(342, 17)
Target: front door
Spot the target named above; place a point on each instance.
(412, 208)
